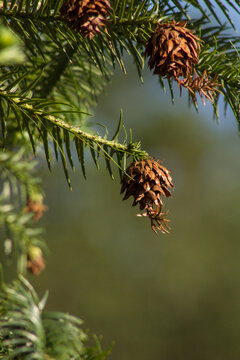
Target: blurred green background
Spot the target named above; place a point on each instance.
(159, 297)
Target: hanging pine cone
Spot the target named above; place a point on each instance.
(35, 261)
(173, 50)
(147, 181)
(86, 16)
(35, 205)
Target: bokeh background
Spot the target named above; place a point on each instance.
(159, 297)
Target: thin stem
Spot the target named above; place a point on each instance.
(132, 148)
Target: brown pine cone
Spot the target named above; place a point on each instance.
(173, 50)
(147, 181)
(86, 16)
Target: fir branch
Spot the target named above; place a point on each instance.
(28, 112)
(219, 57)
(129, 27)
(81, 83)
(19, 183)
(210, 6)
(55, 70)
(225, 66)
(29, 332)
(218, 64)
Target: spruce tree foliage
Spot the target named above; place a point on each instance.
(50, 79)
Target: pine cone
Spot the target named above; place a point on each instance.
(35, 261)
(86, 16)
(173, 50)
(36, 206)
(147, 181)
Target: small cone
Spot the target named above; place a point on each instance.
(173, 50)
(35, 261)
(86, 16)
(36, 206)
(147, 181)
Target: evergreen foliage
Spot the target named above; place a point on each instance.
(18, 182)
(50, 79)
(30, 332)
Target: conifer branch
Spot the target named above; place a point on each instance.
(20, 186)
(51, 77)
(42, 124)
(33, 333)
(42, 101)
(26, 107)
